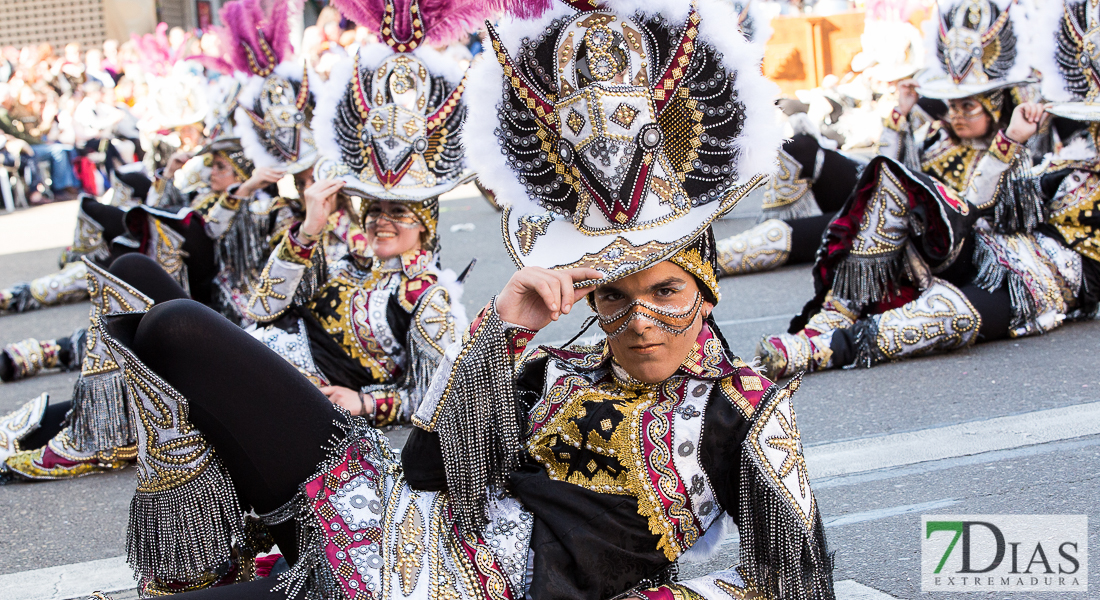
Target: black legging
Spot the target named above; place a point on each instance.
(267, 422)
(836, 181)
(198, 247)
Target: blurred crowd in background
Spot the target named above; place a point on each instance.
(70, 116)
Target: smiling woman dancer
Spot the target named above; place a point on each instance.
(583, 472)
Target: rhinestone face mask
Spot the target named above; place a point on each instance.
(674, 320)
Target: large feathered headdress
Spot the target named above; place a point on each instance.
(389, 120)
(618, 131)
(274, 104)
(979, 46)
(1069, 59)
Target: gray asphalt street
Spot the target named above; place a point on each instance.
(873, 517)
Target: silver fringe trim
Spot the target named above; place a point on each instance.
(100, 418)
(311, 577)
(185, 532)
(242, 250)
(992, 275)
(313, 279)
(479, 426)
(778, 555)
(806, 206)
(1019, 203)
(866, 280)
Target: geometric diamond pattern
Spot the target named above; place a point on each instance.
(624, 115)
(575, 121)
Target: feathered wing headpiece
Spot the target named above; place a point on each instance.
(618, 133)
(274, 104)
(1068, 58)
(979, 46)
(389, 120)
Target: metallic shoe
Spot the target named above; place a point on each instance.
(20, 423)
(941, 319)
(27, 358)
(762, 248)
(876, 257)
(60, 460)
(788, 196)
(67, 285)
(87, 239)
(810, 350)
(184, 493)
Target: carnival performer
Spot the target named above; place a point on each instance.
(371, 327)
(909, 240)
(964, 152)
(577, 472)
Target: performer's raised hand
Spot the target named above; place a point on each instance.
(535, 296)
(1025, 121)
(907, 95)
(320, 200)
(261, 178)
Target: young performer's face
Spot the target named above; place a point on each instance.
(969, 119)
(652, 319)
(392, 229)
(222, 175)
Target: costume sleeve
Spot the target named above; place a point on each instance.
(898, 140)
(293, 273)
(767, 491)
(165, 195)
(1002, 187)
(219, 216)
(472, 404)
(431, 331)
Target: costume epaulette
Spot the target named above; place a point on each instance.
(745, 388)
(413, 288)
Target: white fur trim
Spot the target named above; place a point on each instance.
(1047, 24)
(371, 57)
(707, 546)
(760, 138)
(440, 65)
(1078, 149)
(250, 140)
(449, 280)
(329, 94)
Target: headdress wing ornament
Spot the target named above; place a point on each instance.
(275, 102)
(1070, 60)
(617, 132)
(979, 46)
(390, 119)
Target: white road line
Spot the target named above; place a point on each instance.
(893, 511)
(69, 581)
(882, 452)
(849, 589)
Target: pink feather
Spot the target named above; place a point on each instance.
(445, 21)
(243, 19)
(155, 53)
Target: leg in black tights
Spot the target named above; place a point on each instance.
(50, 426)
(148, 277)
(266, 421)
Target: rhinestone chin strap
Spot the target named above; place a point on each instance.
(671, 321)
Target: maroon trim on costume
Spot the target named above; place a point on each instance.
(489, 573)
(667, 83)
(294, 245)
(539, 105)
(413, 288)
(338, 536)
(389, 178)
